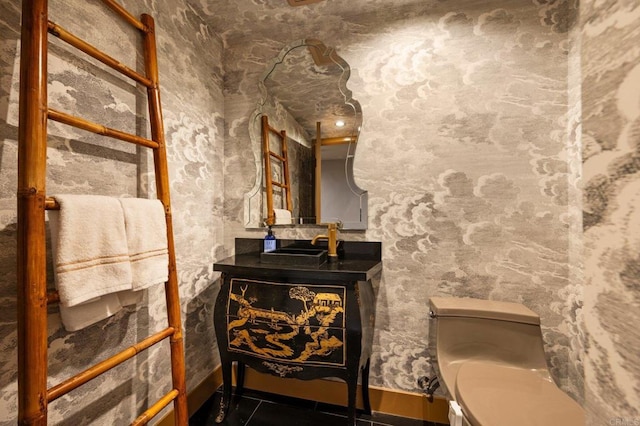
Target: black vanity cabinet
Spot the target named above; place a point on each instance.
(298, 322)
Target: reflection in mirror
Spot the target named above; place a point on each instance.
(303, 92)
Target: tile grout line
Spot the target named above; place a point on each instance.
(254, 411)
(318, 407)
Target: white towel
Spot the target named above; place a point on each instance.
(146, 230)
(90, 250)
(90, 258)
(130, 297)
(283, 217)
(106, 250)
(80, 316)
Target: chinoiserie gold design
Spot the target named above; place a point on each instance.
(280, 369)
(287, 335)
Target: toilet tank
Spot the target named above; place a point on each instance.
(464, 329)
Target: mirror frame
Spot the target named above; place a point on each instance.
(254, 199)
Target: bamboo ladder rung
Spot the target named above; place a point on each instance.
(272, 129)
(66, 36)
(51, 203)
(106, 365)
(124, 13)
(53, 297)
(276, 155)
(279, 184)
(99, 129)
(152, 411)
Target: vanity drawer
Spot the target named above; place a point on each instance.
(293, 323)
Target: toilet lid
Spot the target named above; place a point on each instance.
(497, 395)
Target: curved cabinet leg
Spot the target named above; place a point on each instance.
(365, 387)
(223, 409)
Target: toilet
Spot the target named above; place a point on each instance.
(489, 359)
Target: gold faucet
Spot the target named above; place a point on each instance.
(332, 239)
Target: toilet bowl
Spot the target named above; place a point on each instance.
(489, 359)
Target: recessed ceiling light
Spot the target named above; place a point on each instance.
(339, 123)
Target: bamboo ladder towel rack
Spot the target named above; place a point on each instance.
(283, 157)
(33, 394)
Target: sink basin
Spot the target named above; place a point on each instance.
(295, 256)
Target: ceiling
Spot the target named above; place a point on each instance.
(236, 21)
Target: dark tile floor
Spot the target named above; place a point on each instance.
(263, 409)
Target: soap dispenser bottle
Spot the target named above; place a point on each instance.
(269, 241)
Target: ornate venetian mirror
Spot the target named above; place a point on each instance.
(304, 93)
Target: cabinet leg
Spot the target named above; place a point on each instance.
(352, 386)
(226, 392)
(365, 387)
(240, 377)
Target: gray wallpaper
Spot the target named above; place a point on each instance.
(189, 56)
(465, 151)
(499, 149)
(611, 179)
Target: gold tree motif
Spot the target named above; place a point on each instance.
(303, 294)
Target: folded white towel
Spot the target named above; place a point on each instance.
(130, 297)
(105, 251)
(90, 251)
(283, 217)
(146, 230)
(80, 316)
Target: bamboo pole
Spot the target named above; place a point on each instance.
(31, 256)
(106, 365)
(285, 170)
(90, 50)
(178, 373)
(99, 129)
(267, 169)
(318, 174)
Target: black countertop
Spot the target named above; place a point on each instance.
(359, 261)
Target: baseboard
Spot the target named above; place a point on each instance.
(197, 396)
(388, 401)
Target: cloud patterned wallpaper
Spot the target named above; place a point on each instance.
(192, 99)
(499, 149)
(465, 151)
(610, 55)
